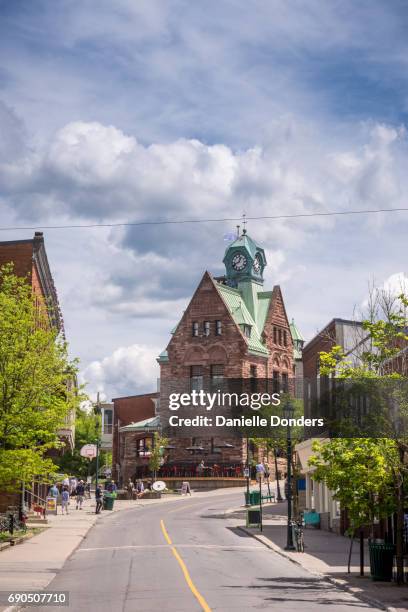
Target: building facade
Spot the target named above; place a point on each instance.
(132, 435)
(30, 261)
(352, 338)
(231, 329)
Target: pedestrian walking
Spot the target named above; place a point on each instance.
(80, 492)
(130, 487)
(53, 491)
(88, 490)
(99, 499)
(64, 500)
(260, 471)
(139, 488)
(73, 483)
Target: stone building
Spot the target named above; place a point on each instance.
(232, 329)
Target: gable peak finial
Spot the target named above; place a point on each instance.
(244, 222)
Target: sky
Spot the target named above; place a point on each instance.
(122, 111)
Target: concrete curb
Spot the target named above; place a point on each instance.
(341, 584)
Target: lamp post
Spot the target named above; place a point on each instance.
(288, 413)
(247, 472)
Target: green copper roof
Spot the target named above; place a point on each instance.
(298, 340)
(164, 356)
(294, 330)
(241, 315)
(146, 425)
(244, 241)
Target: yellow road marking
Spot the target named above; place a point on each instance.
(193, 588)
(164, 530)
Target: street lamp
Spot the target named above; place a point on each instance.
(288, 413)
(247, 472)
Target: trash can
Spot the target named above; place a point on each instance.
(256, 498)
(108, 500)
(381, 560)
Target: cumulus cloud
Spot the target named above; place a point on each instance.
(128, 370)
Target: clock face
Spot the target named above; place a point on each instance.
(257, 264)
(239, 262)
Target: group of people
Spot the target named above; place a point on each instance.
(137, 488)
(70, 487)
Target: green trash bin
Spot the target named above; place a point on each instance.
(256, 498)
(381, 559)
(108, 501)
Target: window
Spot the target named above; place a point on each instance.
(285, 385)
(246, 329)
(107, 421)
(195, 329)
(207, 328)
(285, 338)
(218, 328)
(275, 338)
(217, 373)
(196, 378)
(280, 336)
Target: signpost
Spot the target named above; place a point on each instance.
(51, 505)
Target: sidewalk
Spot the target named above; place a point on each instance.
(327, 554)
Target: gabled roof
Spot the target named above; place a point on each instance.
(294, 330)
(151, 424)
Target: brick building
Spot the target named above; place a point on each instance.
(231, 329)
(29, 259)
(132, 435)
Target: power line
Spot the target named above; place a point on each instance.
(185, 221)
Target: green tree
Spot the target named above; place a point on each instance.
(34, 396)
(87, 431)
(157, 452)
(361, 471)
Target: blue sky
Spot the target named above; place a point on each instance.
(124, 110)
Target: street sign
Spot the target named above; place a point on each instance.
(89, 451)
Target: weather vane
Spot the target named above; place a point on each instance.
(244, 222)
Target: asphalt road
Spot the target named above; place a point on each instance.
(183, 556)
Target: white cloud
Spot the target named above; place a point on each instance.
(128, 370)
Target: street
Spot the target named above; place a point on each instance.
(186, 556)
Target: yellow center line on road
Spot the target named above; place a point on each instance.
(185, 571)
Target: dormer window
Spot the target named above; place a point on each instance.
(246, 330)
(195, 329)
